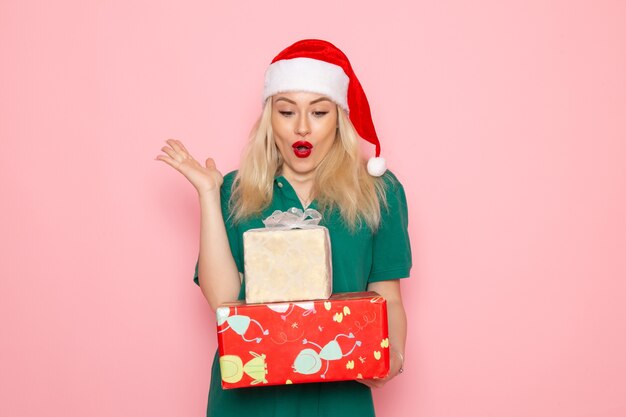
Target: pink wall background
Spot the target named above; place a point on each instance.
(505, 121)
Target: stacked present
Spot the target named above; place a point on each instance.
(289, 259)
(291, 329)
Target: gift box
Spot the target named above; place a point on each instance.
(342, 338)
(289, 259)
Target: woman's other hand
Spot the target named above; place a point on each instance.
(204, 178)
(395, 364)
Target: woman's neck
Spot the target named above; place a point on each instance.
(303, 186)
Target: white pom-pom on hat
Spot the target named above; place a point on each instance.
(376, 166)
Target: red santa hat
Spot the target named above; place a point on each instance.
(318, 66)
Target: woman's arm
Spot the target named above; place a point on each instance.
(217, 273)
(396, 318)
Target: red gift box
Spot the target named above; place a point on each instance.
(342, 338)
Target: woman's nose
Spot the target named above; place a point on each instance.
(303, 128)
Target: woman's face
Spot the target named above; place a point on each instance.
(305, 127)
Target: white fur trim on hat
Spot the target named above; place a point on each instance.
(306, 74)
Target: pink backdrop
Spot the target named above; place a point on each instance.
(506, 122)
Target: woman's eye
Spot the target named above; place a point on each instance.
(286, 113)
(320, 113)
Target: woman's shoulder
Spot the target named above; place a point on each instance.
(230, 177)
(394, 196)
(391, 181)
(227, 185)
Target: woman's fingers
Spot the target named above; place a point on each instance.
(181, 145)
(367, 382)
(177, 146)
(172, 153)
(177, 151)
(173, 163)
(173, 157)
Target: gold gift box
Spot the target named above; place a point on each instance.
(287, 265)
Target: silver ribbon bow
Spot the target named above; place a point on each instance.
(294, 218)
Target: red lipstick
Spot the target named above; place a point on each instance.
(302, 148)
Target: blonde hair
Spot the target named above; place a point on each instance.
(341, 179)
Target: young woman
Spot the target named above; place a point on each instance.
(304, 152)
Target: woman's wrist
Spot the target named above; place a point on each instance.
(209, 196)
(401, 356)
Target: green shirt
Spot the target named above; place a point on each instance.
(359, 257)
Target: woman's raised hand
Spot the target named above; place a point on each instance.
(204, 178)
